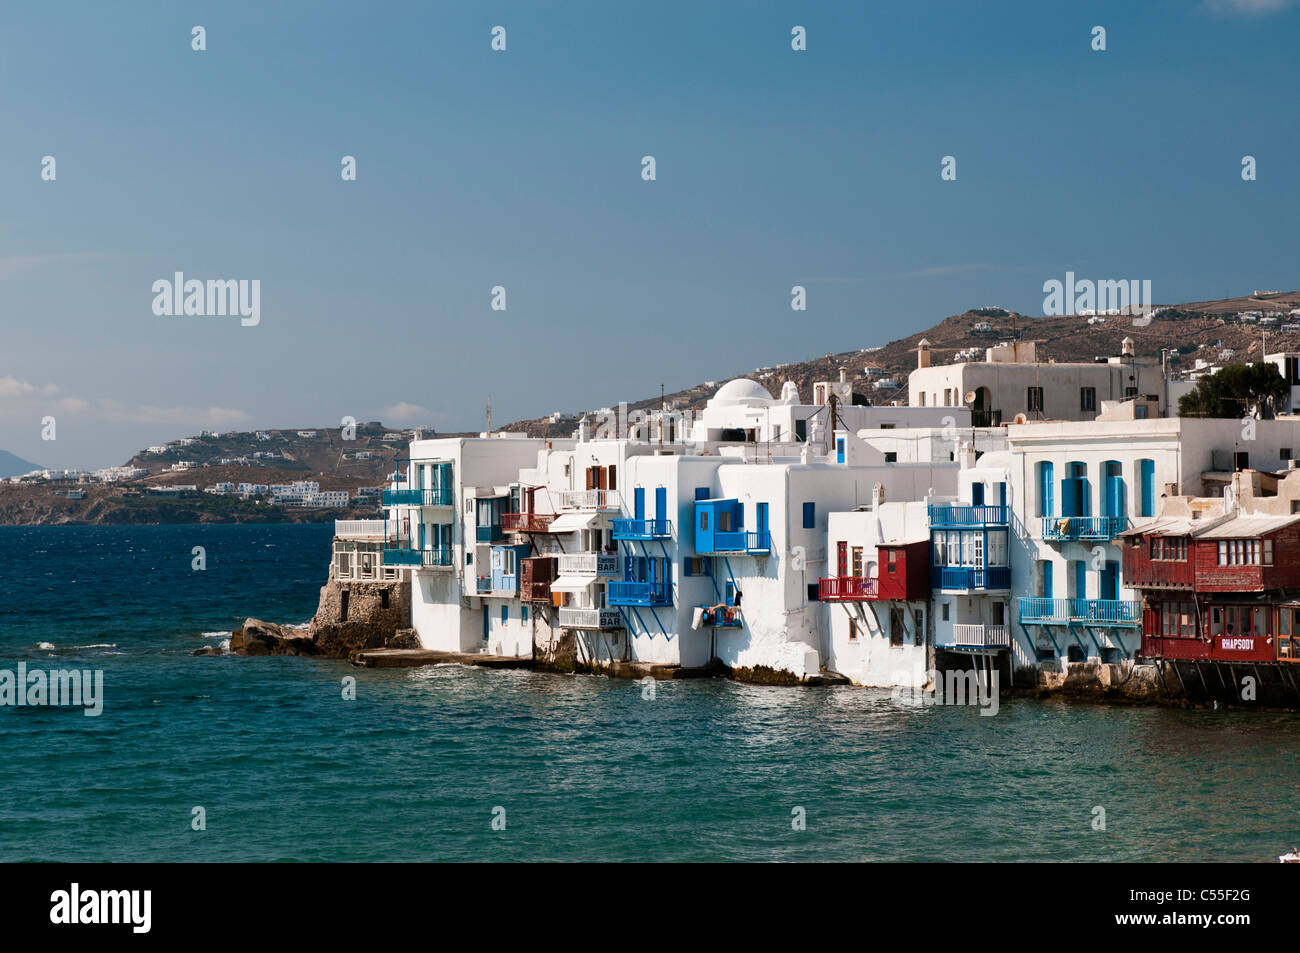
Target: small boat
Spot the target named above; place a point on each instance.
(1290, 858)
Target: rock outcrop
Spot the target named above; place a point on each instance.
(350, 617)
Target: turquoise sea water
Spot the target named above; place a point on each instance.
(585, 768)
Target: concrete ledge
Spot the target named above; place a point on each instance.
(412, 658)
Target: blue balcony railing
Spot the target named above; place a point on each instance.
(640, 594)
(740, 541)
(727, 617)
(643, 529)
(970, 577)
(489, 533)
(947, 515)
(440, 556)
(1084, 527)
(437, 496)
(1081, 611)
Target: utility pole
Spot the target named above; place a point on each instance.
(489, 415)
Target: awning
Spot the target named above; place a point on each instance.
(571, 522)
(572, 583)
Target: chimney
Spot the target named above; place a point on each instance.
(1126, 347)
(966, 456)
(877, 496)
(843, 375)
(923, 353)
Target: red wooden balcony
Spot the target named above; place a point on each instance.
(847, 589)
(526, 522)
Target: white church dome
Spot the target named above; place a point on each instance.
(740, 391)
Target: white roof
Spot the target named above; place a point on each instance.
(1244, 527)
(740, 391)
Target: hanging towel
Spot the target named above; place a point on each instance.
(697, 618)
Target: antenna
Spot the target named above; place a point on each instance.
(489, 415)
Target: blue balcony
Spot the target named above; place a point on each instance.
(958, 516)
(437, 496)
(643, 529)
(640, 594)
(725, 618)
(1081, 611)
(1096, 528)
(970, 577)
(738, 541)
(428, 558)
(489, 533)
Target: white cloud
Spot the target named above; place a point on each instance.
(403, 412)
(22, 399)
(1249, 7)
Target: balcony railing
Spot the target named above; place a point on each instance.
(589, 499)
(587, 564)
(954, 514)
(359, 529)
(740, 541)
(970, 577)
(727, 617)
(436, 496)
(1081, 611)
(643, 529)
(640, 594)
(847, 588)
(590, 619)
(1084, 527)
(426, 558)
(964, 635)
(489, 533)
(986, 418)
(484, 585)
(526, 522)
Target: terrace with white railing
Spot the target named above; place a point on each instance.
(359, 529)
(590, 619)
(589, 499)
(587, 564)
(975, 636)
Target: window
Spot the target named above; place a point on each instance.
(891, 456)
(523, 614)
(704, 519)
(505, 614)
(922, 398)
(1284, 453)
(943, 610)
(839, 449)
(918, 627)
(383, 599)
(508, 557)
(853, 630)
(1245, 552)
(857, 561)
(1034, 400)
(810, 516)
(1087, 398)
(893, 561)
(896, 630)
(813, 595)
(701, 492)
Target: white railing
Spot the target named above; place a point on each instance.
(988, 636)
(359, 529)
(589, 499)
(590, 619)
(587, 564)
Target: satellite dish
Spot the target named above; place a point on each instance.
(1021, 419)
(970, 397)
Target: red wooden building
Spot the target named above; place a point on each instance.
(1218, 590)
(902, 572)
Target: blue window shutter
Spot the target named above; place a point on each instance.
(686, 566)
(701, 492)
(505, 613)
(1147, 471)
(839, 449)
(810, 516)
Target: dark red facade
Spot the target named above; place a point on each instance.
(1230, 599)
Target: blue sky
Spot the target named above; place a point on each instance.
(522, 169)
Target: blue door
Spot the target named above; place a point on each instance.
(977, 494)
(661, 505)
(762, 521)
(1147, 474)
(1046, 490)
(638, 503)
(1110, 580)
(1047, 580)
(1080, 578)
